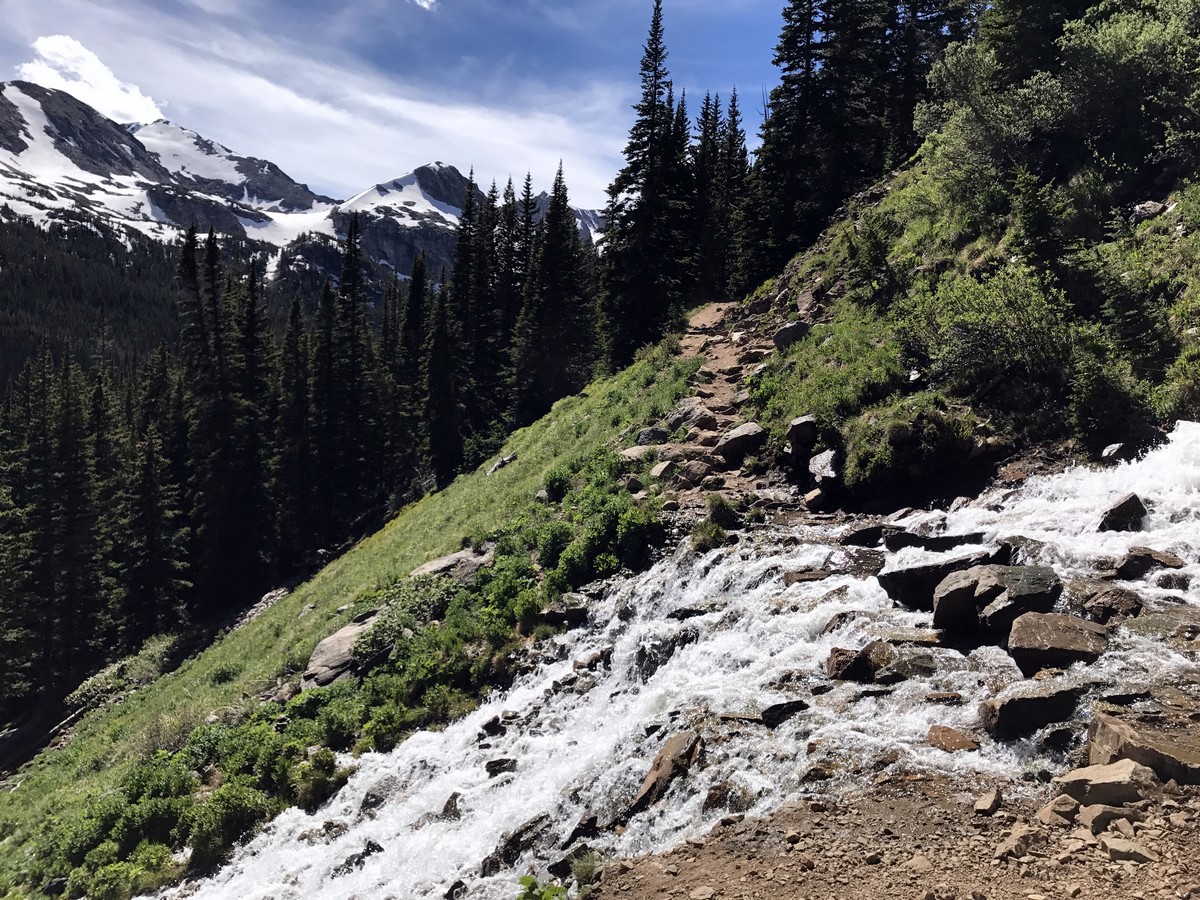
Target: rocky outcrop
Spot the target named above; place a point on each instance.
(1049, 640)
(1172, 754)
(1112, 785)
(993, 597)
(333, 658)
(674, 760)
(460, 566)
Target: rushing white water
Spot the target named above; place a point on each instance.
(580, 738)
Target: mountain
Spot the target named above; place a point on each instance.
(60, 159)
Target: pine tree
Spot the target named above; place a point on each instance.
(292, 484)
(324, 418)
(440, 386)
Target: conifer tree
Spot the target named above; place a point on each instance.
(291, 492)
(440, 386)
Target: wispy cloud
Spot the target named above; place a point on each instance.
(426, 4)
(65, 64)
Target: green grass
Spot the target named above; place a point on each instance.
(109, 743)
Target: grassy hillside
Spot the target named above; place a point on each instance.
(47, 809)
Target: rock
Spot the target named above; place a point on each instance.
(993, 596)
(637, 454)
(860, 665)
(789, 334)
(695, 472)
(460, 566)
(568, 611)
(1140, 561)
(704, 892)
(493, 727)
(496, 767)
(728, 796)
(691, 413)
(1108, 604)
(824, 468)
(676, 758)
(501, 463)
(1111, 785)
(802, 432)
(663, 470)
(737, 443)
(989, 804)
(1171, 754)
(356, 860)
(379, 794)
(919, 865)
(1115, 453)
(818, 500)
(1126, 514)
(1121, 849)
(1097, 817)
(867, 534)
(54, 887)
(1143, 212)
(515, 843)
(805, 576)
(333, 658)
(1059, 811)
(561, 869)
(651, 437)
(456, 891)
(913, 586)
(588, 826)
(654, 653)
(778, 713)
(896, 538)
(1027, 708)
(1050, 640)
(950, 740)
(1019, 842)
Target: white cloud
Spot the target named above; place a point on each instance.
(426, 4)
(65, 64)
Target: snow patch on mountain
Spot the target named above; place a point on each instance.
(406, 200)
(184, 152)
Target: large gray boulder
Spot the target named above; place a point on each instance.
(460, 566)
(789, 334)
(744, 439)
(993, 597)
(333, 658)
(1112, 785)
(913, 586)
(1049, 640)
(1028, 707)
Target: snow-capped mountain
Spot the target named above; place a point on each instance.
(62, 160)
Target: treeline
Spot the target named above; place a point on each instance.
(133, 504)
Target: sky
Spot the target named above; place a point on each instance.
(344, 94)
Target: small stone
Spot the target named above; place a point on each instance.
(704, 892)
(1059, 811)
(950, 740)
(793, 837)
(919, 864)
(989, 804)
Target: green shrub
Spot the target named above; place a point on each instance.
(1108, 402)
(552, 540)
(317, 779)
(229, 814)
(721, 511)
(532, 889)
(558, 482)
(707, 535)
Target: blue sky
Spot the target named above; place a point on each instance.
(347, 93)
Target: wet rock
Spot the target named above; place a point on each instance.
(1028, 707)
(1050, 640)
(497, 767)
(1111, 603)
(561, 868)
(913, 586)
(789, 334)
(588, 826)
(740, 441)
(778, 713)
(333, 658)
(1126, 514)
(569, 611)
(989, 804)
(654, 653)
(803, 576)
(1170, 753)
(456, 891)
(1111, 785)
(951, 740)
(1140, 561)
(330, 830)
(676, 758)
(860, 665)
(651, 437)
(356, 860)
(866, 534)
(896, 539)
(802, 432)
(515, 843)
(993, 597)
(684, 613)
(493, 727)
(461, 566)
(728, 796)
(379, 794)
(1060, 811)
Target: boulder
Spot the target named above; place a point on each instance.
(1020, 841)
(1140, 561)
(989, 804)
(824, 468)
(513, 844)
(689, 413)
(650, 437)
(1098, 817)
(913, 586)
(568, 611)
(663, 470)
(778, 713)
(1172, 754)
(1115, 453)
(1028, 707)
(1121, 849)
(789, 334)
(1126, 514)
(356, 860)
(860, 665)
(818, 500)
(1059, 811)
(802, 432)
(676, 758)
(896, 538)
(742, 440)
(865, 534)
(993, 596)
(638, 454)
(1049, 640)
(1111, 603)
(460, 566)
(1112, 785)
(951, 740)
(1143, 212)
(695, 472)
(333, 658)
(498, 767)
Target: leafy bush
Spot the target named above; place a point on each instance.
(229, 814)
(1108, 402)
(317, 779)
(552, 540)
(532, 889)
(707, 535)
(558, 482)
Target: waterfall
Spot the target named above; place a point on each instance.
(584, 733)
